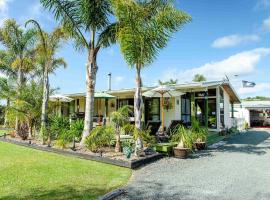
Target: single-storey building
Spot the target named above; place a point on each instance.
(255, 113)
(210, 102)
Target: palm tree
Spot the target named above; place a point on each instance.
(82, 19)
(10, 74)
(144, 28)
(119, 119)
(19, 44)
(199, 78)
(5, 93)
(48, 46)
(170, 82)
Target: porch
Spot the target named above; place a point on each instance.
(209, 102)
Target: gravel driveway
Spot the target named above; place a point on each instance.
(238, 170)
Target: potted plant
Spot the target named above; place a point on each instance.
(199, 135)
(185, 143)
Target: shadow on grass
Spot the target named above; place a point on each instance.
(60, 193)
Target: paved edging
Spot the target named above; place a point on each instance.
(121, 163)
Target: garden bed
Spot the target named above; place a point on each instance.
(107, 157)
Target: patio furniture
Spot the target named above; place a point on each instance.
(163, 91)
(153, 126)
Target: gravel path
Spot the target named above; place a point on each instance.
(238, 170)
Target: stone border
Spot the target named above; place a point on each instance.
(121, 163)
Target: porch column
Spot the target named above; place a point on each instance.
(206, 110)
(232, 108)
(218, 109)
(193, 107)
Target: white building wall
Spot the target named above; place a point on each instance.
(227, 108)
(168, 114)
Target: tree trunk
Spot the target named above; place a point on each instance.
(6, 123)
(45, 102)
(118, 142)
(30, 129)
(19, 85)
(91, 69)
(138, 102)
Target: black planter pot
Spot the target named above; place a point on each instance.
(200, 145)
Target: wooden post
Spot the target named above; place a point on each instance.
(162, 112)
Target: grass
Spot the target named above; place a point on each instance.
(32, 174)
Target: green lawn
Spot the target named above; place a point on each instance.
(32, 174)
(214, 138)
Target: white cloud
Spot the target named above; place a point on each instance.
(234, 40)
(4, 10)
(243, 63)
(261, 87)
(266, 24)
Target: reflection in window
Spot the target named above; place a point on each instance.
(186, 108)
(152, 109)
(200, 110)
(221, 105)
(212, 107)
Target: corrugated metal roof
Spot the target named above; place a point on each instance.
(182, 86)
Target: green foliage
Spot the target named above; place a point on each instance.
(199, 78)
(129, 129)
(76, 129)
(199, 133)
(80, 17)
(170, 82)
(257, 98)
(233, 130)
(246, 126)
(145, 27)
(2, 114)
(144, 134)
(183, 137)
(58, 126)
(120, 118)
(99, 138)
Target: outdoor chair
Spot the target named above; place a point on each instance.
(153, 126)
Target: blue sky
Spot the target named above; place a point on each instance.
(225, 37)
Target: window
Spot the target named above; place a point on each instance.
(212, 115)
(200, 110)
(152, 109)
(186, 108)
(125, 102)
(221, 106)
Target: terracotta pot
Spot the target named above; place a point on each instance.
(181, 152)
(200, 145)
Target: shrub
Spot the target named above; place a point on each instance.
(199, 133)
(144, 134)
(58, 126)
(75, 132)
(99, 138)
(183, 137)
